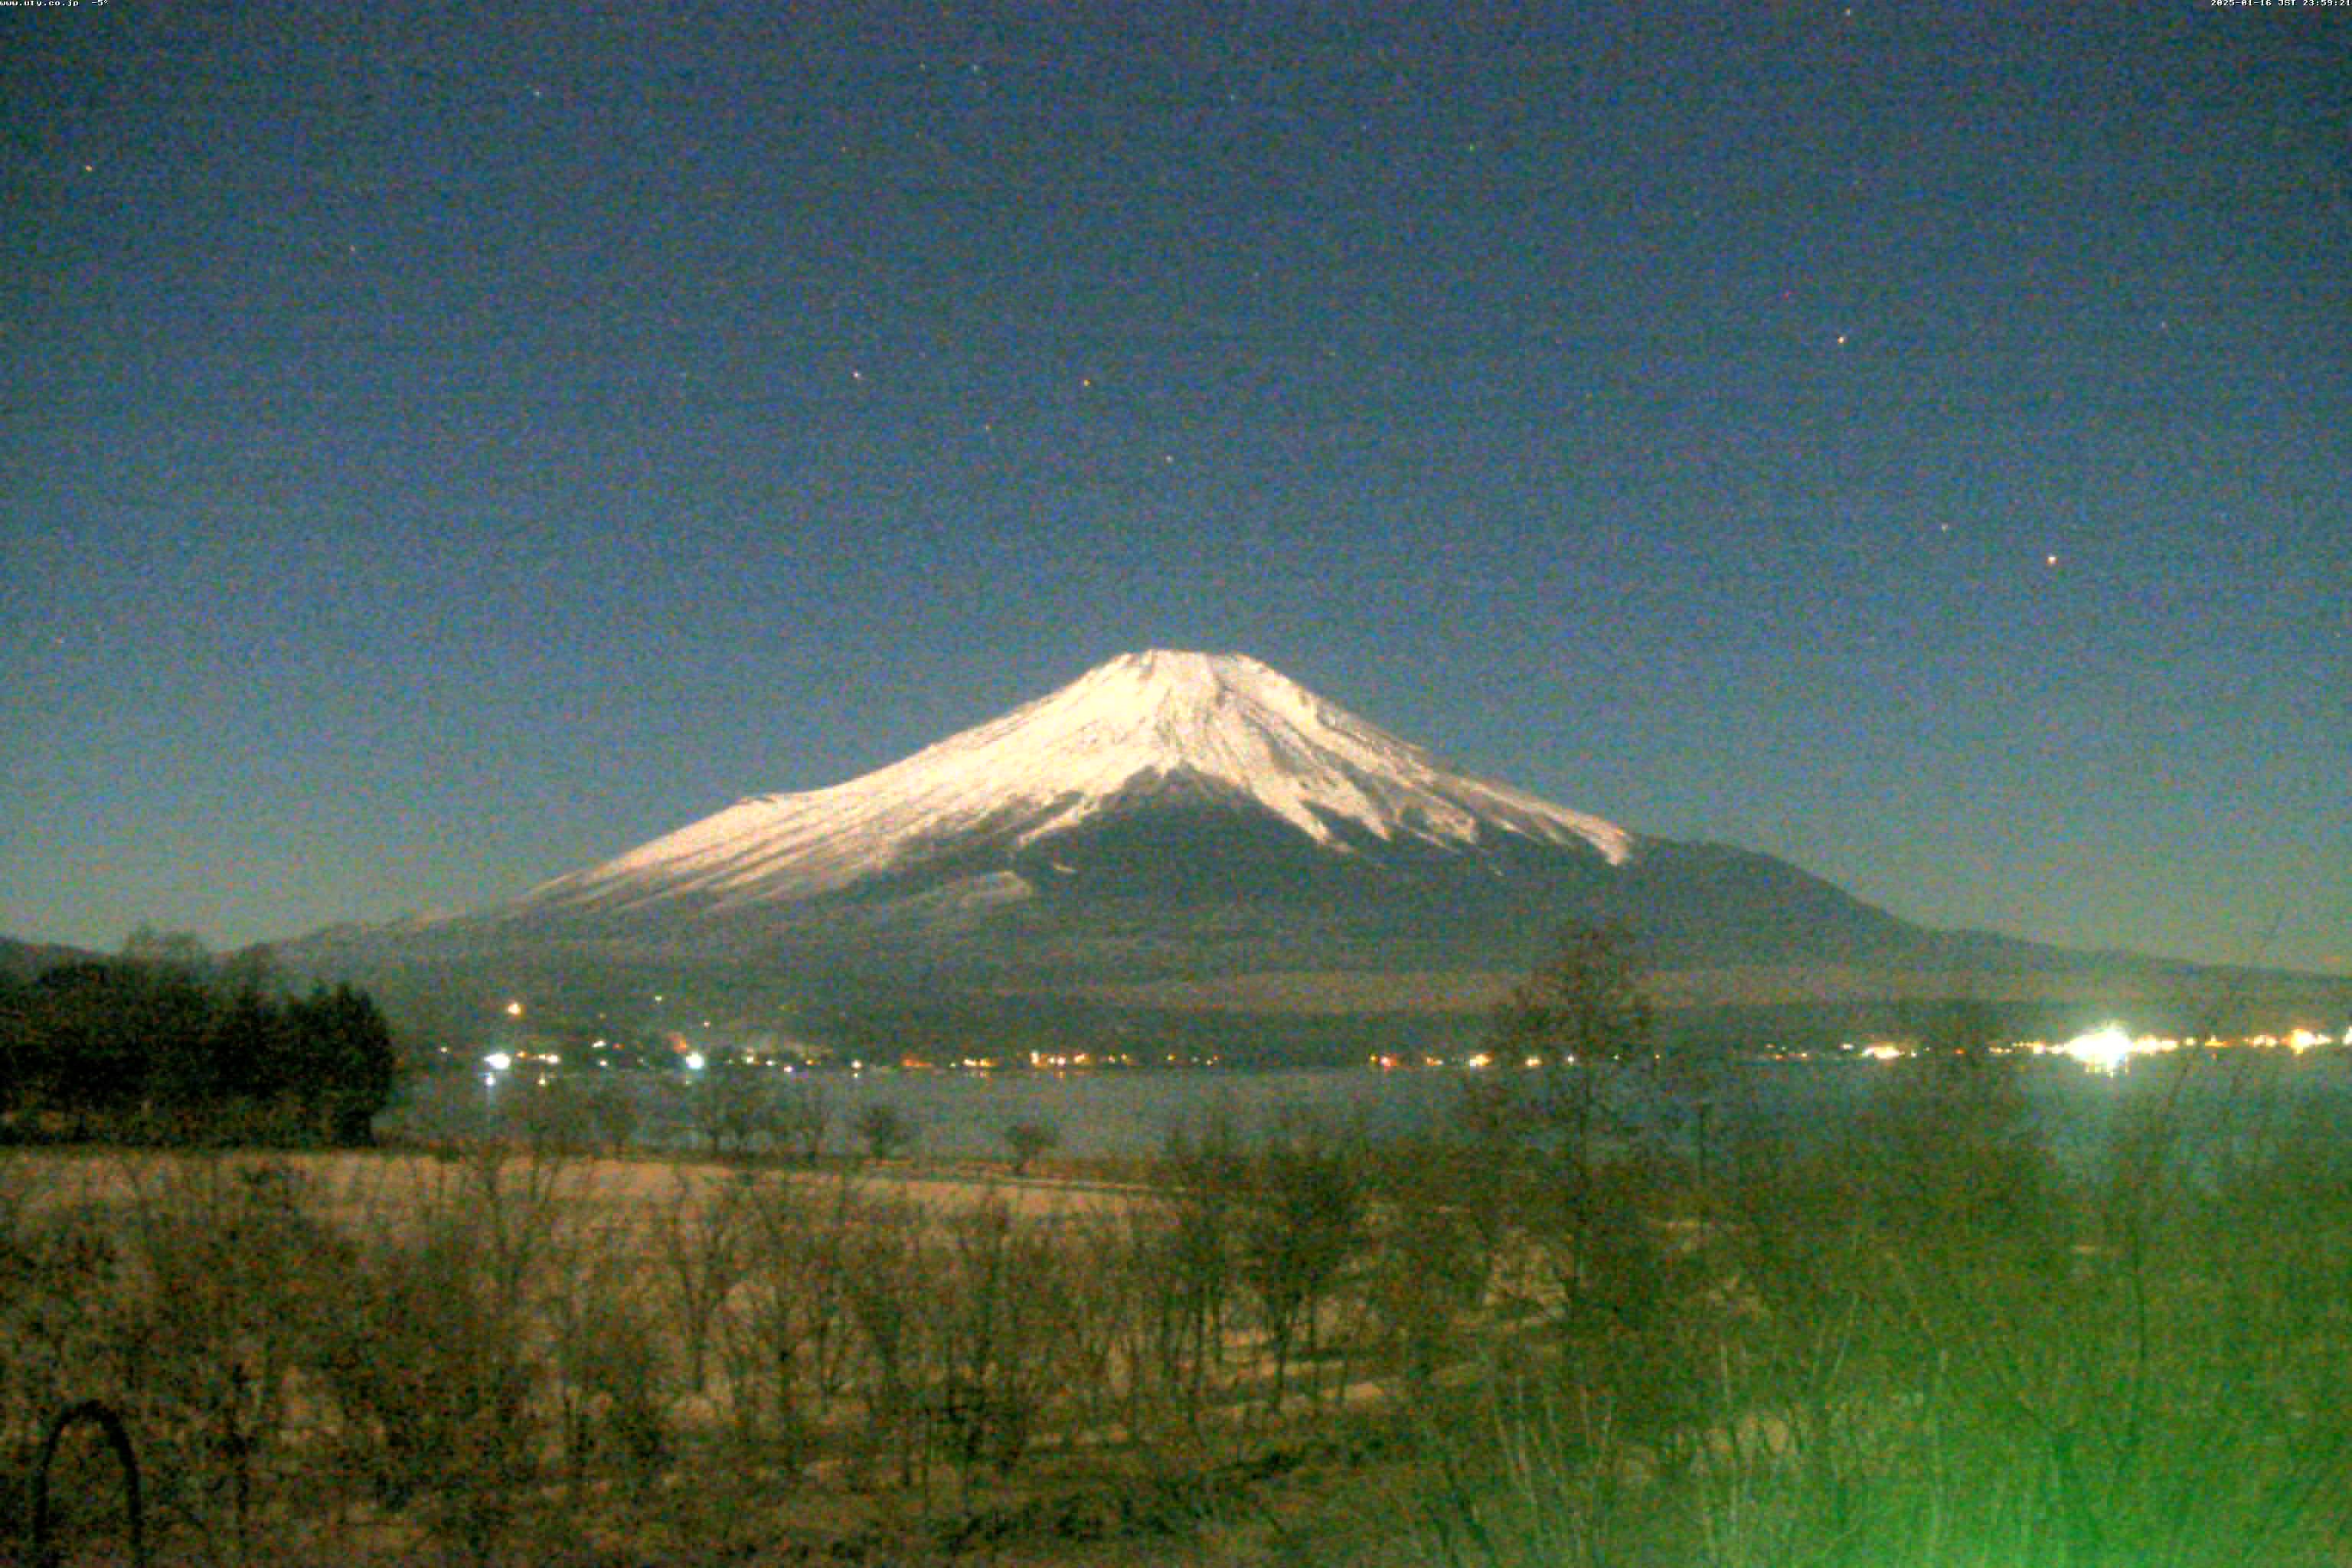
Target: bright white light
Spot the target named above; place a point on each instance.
(694, 1061)
(498, 1061)
(514, 1009)
(2103, 1049)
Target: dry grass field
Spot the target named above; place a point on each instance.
(495, 1354)
(366, 1190)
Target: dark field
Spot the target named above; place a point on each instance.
(1907, 1316)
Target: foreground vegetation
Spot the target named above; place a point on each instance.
(168, 1045)
(1556, 1336)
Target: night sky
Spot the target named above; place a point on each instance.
(442, 447)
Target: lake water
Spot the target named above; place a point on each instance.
(1101, 1114)
(2219, 1100)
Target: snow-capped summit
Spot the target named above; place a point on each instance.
(1220, 727)
(1170, 831)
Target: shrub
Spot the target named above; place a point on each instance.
(1030, 1139)
(885, 1130)
(430, 1361)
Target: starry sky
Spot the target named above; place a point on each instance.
(444, 445)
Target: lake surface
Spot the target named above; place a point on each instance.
(2219, 1101)
(1098, 1115)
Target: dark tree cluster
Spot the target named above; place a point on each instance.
(172, 1052)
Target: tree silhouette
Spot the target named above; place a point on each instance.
(343, 1039)
(1028, 1140)
(885, 1130)
(164, 1048)
(1578, 1014)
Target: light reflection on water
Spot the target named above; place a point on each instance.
(1098, 1115)
(2215, 1102)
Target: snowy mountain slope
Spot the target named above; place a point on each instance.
(1183, 821)
(1166, 814)
(1145, 728)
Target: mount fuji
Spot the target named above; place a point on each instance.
(1168, 814)
(1186, 833)
(1026, 803)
